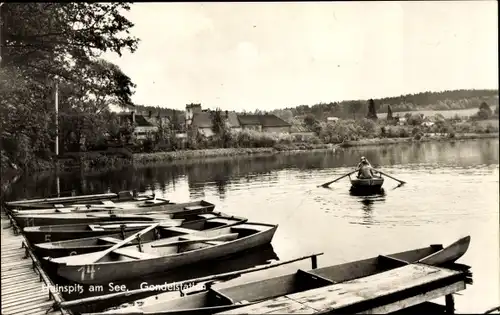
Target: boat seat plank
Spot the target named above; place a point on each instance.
(62, 210)
(153, 201)
(110, 239)
(221, 296)
(336, 296)
(108, 203)
(192, 208)
(132, 253)
(94, 227)
(181, 230)
(313, 279)
(58, 205)
(391, 262)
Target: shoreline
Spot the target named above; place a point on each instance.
(428, 138)
(183, 155)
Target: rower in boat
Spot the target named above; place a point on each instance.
(362, 161)
(365, 170)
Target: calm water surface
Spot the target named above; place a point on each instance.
(452, 190)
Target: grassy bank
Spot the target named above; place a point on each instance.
(159, 157)
(425, 138)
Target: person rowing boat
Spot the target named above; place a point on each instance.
(365, 169)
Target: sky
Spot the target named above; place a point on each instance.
(247, 56)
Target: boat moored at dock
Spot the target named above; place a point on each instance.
(412, 264)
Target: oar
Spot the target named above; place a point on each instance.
(402, 182)
(225, 237)
(125, 241)
(333, 181)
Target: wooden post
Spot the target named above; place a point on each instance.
(314, 261)
(450, 304)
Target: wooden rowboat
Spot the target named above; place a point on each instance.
(64, 201)
(222, 297)
(79, 246)
(130, 207)
(63, 232)
(55, 233)
(88, 218)
(103, 205)
(366, 184)
(170, 211)
(129, 262)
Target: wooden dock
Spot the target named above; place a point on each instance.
(382, 293)
(26, 289)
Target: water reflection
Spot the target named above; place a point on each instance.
(368, 202)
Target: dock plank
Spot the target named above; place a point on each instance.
(381, 284)
(347, 293)
(280, 305)
(23, 291)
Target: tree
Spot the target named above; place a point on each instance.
(47, 42)
(389, 113)
(354, 108)
(484, 111)
(220, 127)
(310, 121)
(372, 112)
(485, 106)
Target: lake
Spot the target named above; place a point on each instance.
(452, 190)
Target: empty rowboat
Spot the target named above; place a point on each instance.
(125, 262)
(147, 206)
(24, 220)
(101, 242)
(55, 233)
(64, 201)
(222, 297)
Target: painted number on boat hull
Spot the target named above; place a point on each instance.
(87, 272)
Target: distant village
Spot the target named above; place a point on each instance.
(196, 118)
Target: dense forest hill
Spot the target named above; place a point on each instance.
(446, 100)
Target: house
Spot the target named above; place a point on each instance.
(400, 120)
(201, 120)
(265, 123)
(143, 128)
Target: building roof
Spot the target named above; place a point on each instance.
(266, 120)
(232, 119)
(139, 119)
(249, 119)
(204, 119)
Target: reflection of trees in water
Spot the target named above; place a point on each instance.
(219, 173)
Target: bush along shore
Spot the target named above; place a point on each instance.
(161, 157)
(424, 138)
